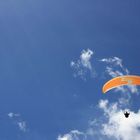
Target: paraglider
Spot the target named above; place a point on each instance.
(126, 114)
(121, 81)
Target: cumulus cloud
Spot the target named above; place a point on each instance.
(73, 135)
(118, 126)
(83, 65)
(111, 126)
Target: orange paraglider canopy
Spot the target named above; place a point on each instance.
(120, 81)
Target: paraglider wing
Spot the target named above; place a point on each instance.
(120, 81)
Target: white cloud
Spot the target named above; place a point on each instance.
(118, 126)
(83, 64)
(111, 126)
(115, 61)
(112, 72)
(85, 58)
(18, 121)
(65, 137)
(12, 115)
(103, 104)
(73, 135)
(22, 126)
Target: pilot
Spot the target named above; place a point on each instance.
(126, 114)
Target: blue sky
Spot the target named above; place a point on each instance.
(38, 41)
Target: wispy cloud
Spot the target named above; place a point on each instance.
(18, 121)
(116, 61)
(116, 68)
(85, 58)
(22, 126)
(12, 115)
(83, 64)
(113, 64)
